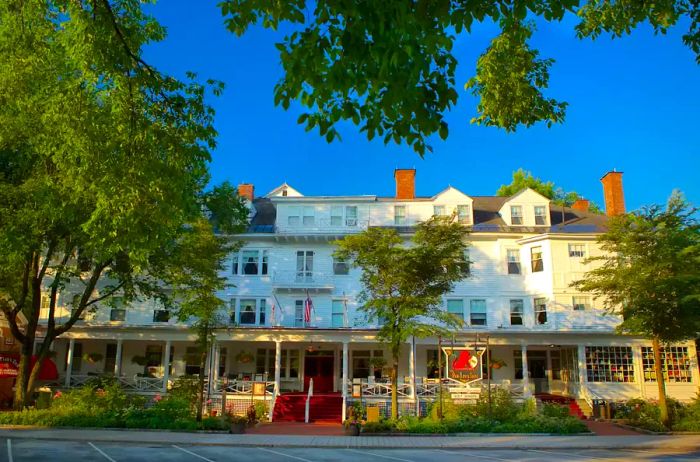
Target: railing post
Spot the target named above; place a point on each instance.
(69, 361)
(526, 374)
(308, 400)
(581, 359)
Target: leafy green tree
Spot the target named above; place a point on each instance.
(103, 160)
(195, 279)
(523, 179)
(389, 67)
(650, 275)
(403, 282)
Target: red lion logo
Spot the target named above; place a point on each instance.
(465, 361)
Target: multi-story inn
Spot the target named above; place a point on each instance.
(543, 336)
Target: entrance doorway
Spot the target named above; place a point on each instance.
(319, 368)
(537, 366)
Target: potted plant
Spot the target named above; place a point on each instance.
(497, 363)
(244, 357)
(237, 423)
(92, 358)
(352, 427)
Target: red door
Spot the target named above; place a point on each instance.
(320, 368)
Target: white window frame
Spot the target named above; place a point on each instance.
(339, 263)
(581, 300)
(308, 218)
(338, 303)
(461, 313)
(261, 311)
(519, 215)
(400, 219)
(532, 259)
(464, 218)
(439, 210)
(509, 261)
(544, 214)
(537, 309)
(262, 262)
(577, 250)
(351, 220)
(520, 312)
(294, 215)
(299, 313)
(485, 312)
(337, 215)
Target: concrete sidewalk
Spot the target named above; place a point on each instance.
(470, 441)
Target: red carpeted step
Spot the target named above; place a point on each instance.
(576, 411)
(289, 408)
(326, 408)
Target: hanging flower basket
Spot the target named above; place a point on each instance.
(497, 363)
(244, 357)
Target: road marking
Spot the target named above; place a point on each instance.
(457, 453)
(379, 455)
(9, 450)
(101, 452)
(568, 454)
(191, 453)
(285, 455)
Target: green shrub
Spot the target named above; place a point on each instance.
(555, 410)
(260, 409)
(383, 426)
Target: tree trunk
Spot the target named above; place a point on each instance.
(658, 369)
(22, 380)
(200, 388)
(395, 387)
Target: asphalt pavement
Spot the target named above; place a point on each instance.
(30, 450)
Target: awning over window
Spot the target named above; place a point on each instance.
(9, 364)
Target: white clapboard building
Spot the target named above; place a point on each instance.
(544, 338)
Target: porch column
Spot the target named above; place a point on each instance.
(638, 368)
(526, 374)
(412, 366)
(345, 379)
(278, 364)
(118, 358)
(581, 358)
(166, 364)
(215, 368)
(69, 361)
(550, 376)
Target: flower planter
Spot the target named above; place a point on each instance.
(237, 427)
(353, 429)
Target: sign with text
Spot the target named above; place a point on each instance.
(464, 363)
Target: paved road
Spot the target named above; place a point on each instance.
(28, 450)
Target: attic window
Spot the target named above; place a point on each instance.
(516, 215)
(284, 192)
(540, 215)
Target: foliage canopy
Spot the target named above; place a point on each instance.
(389, 67)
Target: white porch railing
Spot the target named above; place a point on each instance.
(135, 384)
(242, 387)
(302, 279)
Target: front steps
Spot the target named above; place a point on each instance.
(577, 407)
(291, 407)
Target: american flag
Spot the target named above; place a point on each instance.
(308, 306)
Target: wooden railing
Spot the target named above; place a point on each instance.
(135, 384)
(242, 387)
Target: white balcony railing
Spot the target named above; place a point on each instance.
(242, 387)
(325, 225)
(135, 384)
(302, 279)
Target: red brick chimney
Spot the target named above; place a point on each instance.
(246, 190)
(405, 183)
(614, 195)
(581, 205)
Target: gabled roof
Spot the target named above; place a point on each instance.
(524, 190)
(449, 189)
(284, 186)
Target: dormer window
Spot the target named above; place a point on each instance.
(464, 215)
(540, 215)
(439, 210)
(516, 215)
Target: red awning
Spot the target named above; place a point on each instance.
(9, 364)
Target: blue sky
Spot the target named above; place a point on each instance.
(634, 105)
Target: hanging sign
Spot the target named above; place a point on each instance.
(464, 364)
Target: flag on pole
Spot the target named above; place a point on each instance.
(308, 306)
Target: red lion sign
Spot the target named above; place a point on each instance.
(464, 364)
